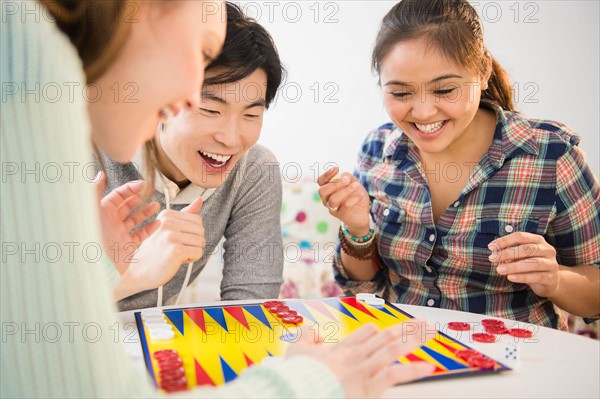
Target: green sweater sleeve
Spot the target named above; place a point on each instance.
(57, 315)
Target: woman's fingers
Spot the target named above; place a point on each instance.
(409, 334)
(514, 239)
(329, 186)
(532, 278)
(518, 252)
(332, 194)
(121, 193)
(352, 201)
(327, 190)
(397, 374)
(127, 205)
(339, 198)
(144, 232)
(388, 352)
(359, 336)
(530, 265)
(309, 336)
(327, 176)
(140, 215)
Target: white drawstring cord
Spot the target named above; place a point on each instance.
(188, 272)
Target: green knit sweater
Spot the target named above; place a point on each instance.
(57, 315)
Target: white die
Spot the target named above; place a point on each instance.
(511, 355)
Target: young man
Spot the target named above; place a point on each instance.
(211, 153)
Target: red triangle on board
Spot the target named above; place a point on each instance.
(356, 304)
(249, 362)
(238, 313)
(197, 315)
(201, 377)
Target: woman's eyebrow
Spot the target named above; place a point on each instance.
(443, 77)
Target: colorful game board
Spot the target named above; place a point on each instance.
(216, 343)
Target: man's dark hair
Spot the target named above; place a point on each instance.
(248, 47)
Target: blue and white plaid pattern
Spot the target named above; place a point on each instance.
(533, 178)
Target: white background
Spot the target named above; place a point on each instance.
(331, 99)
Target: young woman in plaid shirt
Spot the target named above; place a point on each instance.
(461, 202)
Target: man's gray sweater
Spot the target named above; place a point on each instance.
(245, 210)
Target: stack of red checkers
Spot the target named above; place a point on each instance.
(170, 370)
(282, 311)
(493, 326)
(476, 359)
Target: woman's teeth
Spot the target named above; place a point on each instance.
(430, 128)
(221, 159)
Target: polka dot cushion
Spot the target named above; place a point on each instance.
(309, 243)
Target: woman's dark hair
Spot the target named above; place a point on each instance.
(248, 47)
(453, 28)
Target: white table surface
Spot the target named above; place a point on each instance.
(552, 364)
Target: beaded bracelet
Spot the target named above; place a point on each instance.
(358, 239)
(362, 251)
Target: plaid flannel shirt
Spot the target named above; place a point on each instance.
(533, 178)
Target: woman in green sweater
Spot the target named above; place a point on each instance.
(143, 60)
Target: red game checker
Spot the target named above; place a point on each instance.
(272, 303)
(286, 313)
(496, 329)
(466, 354)
(171, 374)
(166, 354)
(482, 362)
(175, 385)
(492, 322)
(293, 319)
(459, 326)
(520, 333)
(484, 337)
(277, 308)
(168, 364)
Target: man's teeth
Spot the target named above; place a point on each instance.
(432, 127)
(222, 159)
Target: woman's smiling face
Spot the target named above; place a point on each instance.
(431, 99)
(161, 66)
(203, 145)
